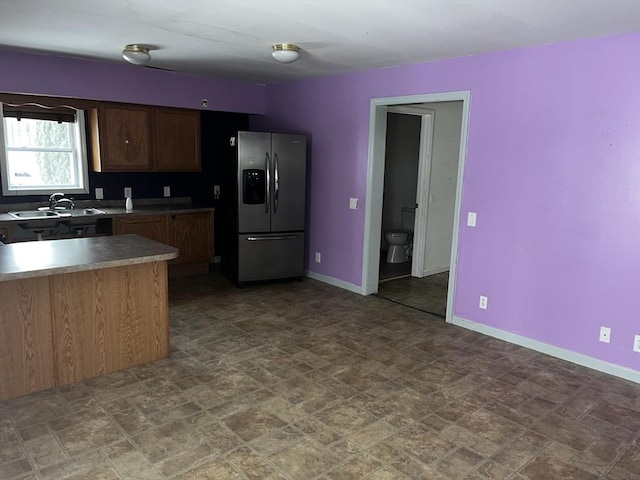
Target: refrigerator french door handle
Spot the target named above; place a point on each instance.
(276, 182)
(268, 180)
(264, 239)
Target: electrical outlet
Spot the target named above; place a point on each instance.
(605, 334)
(483, 302)
(167, 191)
(636, 343)
(318, 257)
(204, 103)
(216, 192)
(471, 219)
(127, 192)
(353, 203)
(99, 193)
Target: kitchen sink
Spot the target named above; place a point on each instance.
(80, 212)
(80, 217)
(33, 214)
(37, 219)
(49, 219)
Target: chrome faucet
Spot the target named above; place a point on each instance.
(56, 200)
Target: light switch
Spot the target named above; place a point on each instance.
(471, 219)
(353, 203)
(99, 193)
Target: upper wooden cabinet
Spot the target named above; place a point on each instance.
(138, 138)
(121, 138)
(177, 140)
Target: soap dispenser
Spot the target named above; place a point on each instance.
(128, 204)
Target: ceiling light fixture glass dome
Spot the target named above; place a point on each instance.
(136, 54)
(285, 52)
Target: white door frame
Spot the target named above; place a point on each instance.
(375, 185)
(422, 184)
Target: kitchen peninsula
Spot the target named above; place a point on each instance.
(78, 308)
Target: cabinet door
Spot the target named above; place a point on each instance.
(192, 234)
(122, 138)
(177, 140)
(153, 227)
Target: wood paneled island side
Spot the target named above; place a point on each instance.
(79, 308)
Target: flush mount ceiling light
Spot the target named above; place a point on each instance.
(285, 52)
(136, 54)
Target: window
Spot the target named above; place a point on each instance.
(42, 150)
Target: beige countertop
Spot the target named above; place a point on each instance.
(50, 257)
(142, 209)
(156, 209)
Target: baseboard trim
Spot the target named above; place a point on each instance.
(568, 355)
(335, 282)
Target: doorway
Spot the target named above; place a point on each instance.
(426, 197)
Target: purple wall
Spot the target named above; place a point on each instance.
(70, 77)
(552, 168)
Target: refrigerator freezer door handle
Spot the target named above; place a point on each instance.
(268, 180)
(276, 183)
(264, 239)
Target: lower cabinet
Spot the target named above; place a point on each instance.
(153, 227)
(191, 233)
(63, 328)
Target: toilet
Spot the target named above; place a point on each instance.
(399, 240)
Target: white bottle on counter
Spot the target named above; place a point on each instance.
(128, 205)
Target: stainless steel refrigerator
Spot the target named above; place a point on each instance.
(265, 207)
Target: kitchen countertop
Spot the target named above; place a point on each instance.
(155, 209)
(110, 212)
(50, 257)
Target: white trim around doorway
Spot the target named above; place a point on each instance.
(375, 185)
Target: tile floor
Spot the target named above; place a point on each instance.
(303, 381)
(388, 271)
(428, 293)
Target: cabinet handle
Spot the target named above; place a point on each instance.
(126, 141)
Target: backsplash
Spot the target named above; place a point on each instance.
(144, 185)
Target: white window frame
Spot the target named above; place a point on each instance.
(79, 157)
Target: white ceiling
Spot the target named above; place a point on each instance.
(233, 38)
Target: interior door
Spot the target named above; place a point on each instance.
(289, 182)
(254, 182)
(423, 197)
